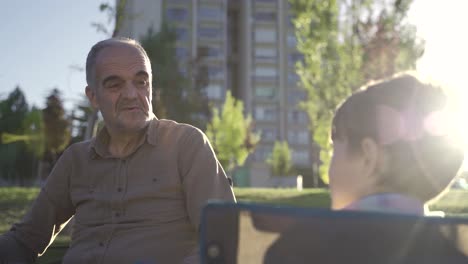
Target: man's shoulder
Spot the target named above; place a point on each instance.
(173, 129)
(81, 147)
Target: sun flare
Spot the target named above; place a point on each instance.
(442, 25)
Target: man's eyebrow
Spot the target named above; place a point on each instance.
(142, 74)
(111, 78)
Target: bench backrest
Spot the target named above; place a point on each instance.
(246, 233)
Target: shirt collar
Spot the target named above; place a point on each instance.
(388, 203)
(100, 143)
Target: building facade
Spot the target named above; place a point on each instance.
(249, 47)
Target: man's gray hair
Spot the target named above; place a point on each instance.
(112, 42)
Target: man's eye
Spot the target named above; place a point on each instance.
(114, 85)
(142, 83)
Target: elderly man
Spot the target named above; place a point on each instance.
(137, 189)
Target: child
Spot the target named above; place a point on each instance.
(391, 148)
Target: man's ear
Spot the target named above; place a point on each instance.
(91, 94)
(372, 155)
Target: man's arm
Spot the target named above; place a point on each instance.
(48, 215)
(203, 176)
(203, 179)
(13, 251)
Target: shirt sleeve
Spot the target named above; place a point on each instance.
(203, 176)
(13, 251)
(50, 212)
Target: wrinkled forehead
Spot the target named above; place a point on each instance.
(121, 57)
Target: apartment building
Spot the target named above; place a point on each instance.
(249, 47)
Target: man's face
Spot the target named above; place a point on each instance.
(122, 88)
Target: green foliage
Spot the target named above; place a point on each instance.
(280, 159)
(56, 125)
(230, 133)
(115, 14)
(316, 198)
(330, 69)
(81, 116)
(34, 132)
(13, 111)
(176, 96)
(20, 131)
(345, 44)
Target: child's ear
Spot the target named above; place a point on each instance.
(371, 153)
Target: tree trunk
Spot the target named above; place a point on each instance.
(92, 118)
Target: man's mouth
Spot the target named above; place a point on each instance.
(131, 108)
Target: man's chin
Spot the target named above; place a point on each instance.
(134, 125)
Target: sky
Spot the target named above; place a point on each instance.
(43, 43)
(443, 26)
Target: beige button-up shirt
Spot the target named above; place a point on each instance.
(144, 208)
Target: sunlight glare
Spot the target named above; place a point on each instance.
(442, 24)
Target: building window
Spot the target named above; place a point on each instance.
(265, 16)
(262, 153)
(265, 35)
(183, 71)
(296, 96)
(214, 91)
(182, 53)
(293, 78)
(177, 14)
(210, 13)
(268, 134)
(292, 40)
(297, 117)
(298, 137)
(185, 2)
(264, 54)
(210, 52)
(182, 34)
(215, 73)
(210, 32)
(293, 58)
(265, 72)
(267, 2)
(264, 91)
(291, 22)
(264, 113)
(300, 157)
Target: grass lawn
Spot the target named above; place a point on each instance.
(15, 201)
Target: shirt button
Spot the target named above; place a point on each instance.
(101, 244)
(119, 189)
(117, 214)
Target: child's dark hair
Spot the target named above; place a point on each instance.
(420, 163)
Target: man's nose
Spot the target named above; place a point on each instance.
(130, 90)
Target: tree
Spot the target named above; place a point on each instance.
(280, 159)
(20, 131)
(177, 96)
(80, 116)
(344, 46)
(56, 127)
(116, 14)
(34, 132)
(231, 134)
(13, 111)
